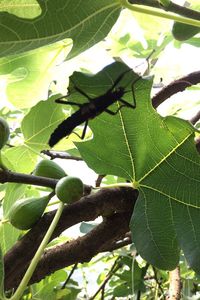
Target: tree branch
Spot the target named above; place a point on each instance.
(175, 285)
(117, 202)
(60, 154)
(176, 86)
(82, 249)
(195, 118)
(172, 7)
(9, 176)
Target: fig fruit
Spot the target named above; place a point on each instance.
(26, 212)
(48, 168)
(4, 132)
(69, 189)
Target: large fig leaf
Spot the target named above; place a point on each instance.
(28, 76)
(37, 126)
(86, 22)
(8, 233)
(159, 156)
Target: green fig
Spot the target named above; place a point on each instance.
(48, 168)
(69, 189)
(26, 212)
(4, 132)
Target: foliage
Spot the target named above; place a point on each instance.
(148, 162)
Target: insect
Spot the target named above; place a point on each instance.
(91, 109)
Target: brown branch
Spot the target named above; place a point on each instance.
(116, 244)
(104, 202)
(82, 249)
(172, 7)
(99, 180)
(175, 285)
(176, 86)
(195, 118)
(198, 144)
(9, 176)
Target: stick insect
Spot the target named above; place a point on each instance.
(91, 109)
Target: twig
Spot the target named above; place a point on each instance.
(175, 285)
(99, 180)
(102, 293)
(61, 155)
(138, 295)
(112, 271)
(9, 176)
(70, 275)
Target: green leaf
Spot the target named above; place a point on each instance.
(21, 8)
(182, 32)
(40, 122)
(138, 277)
(28, 76)
(8, 233)
(164, 2)
(159, 156)
(14, 191)
(9, 236)
(188, 232)
(51, 287)
(81, 21)
(122, 290)
(153, 230)
(20, 159)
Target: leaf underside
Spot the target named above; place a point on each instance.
(156, 153)
(59, 20)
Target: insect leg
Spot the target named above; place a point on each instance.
(83, 133)
(133, 91)
(127, 104)
(119, 78)
(82, 93)
(110, 112)
(84, 130)
(60, 101)
(113, 113)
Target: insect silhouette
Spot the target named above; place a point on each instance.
(91, 109)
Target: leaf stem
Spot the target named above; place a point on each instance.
(115, 185)
(158, 13)
(38, 255)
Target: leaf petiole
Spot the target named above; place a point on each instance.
(158, 13)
